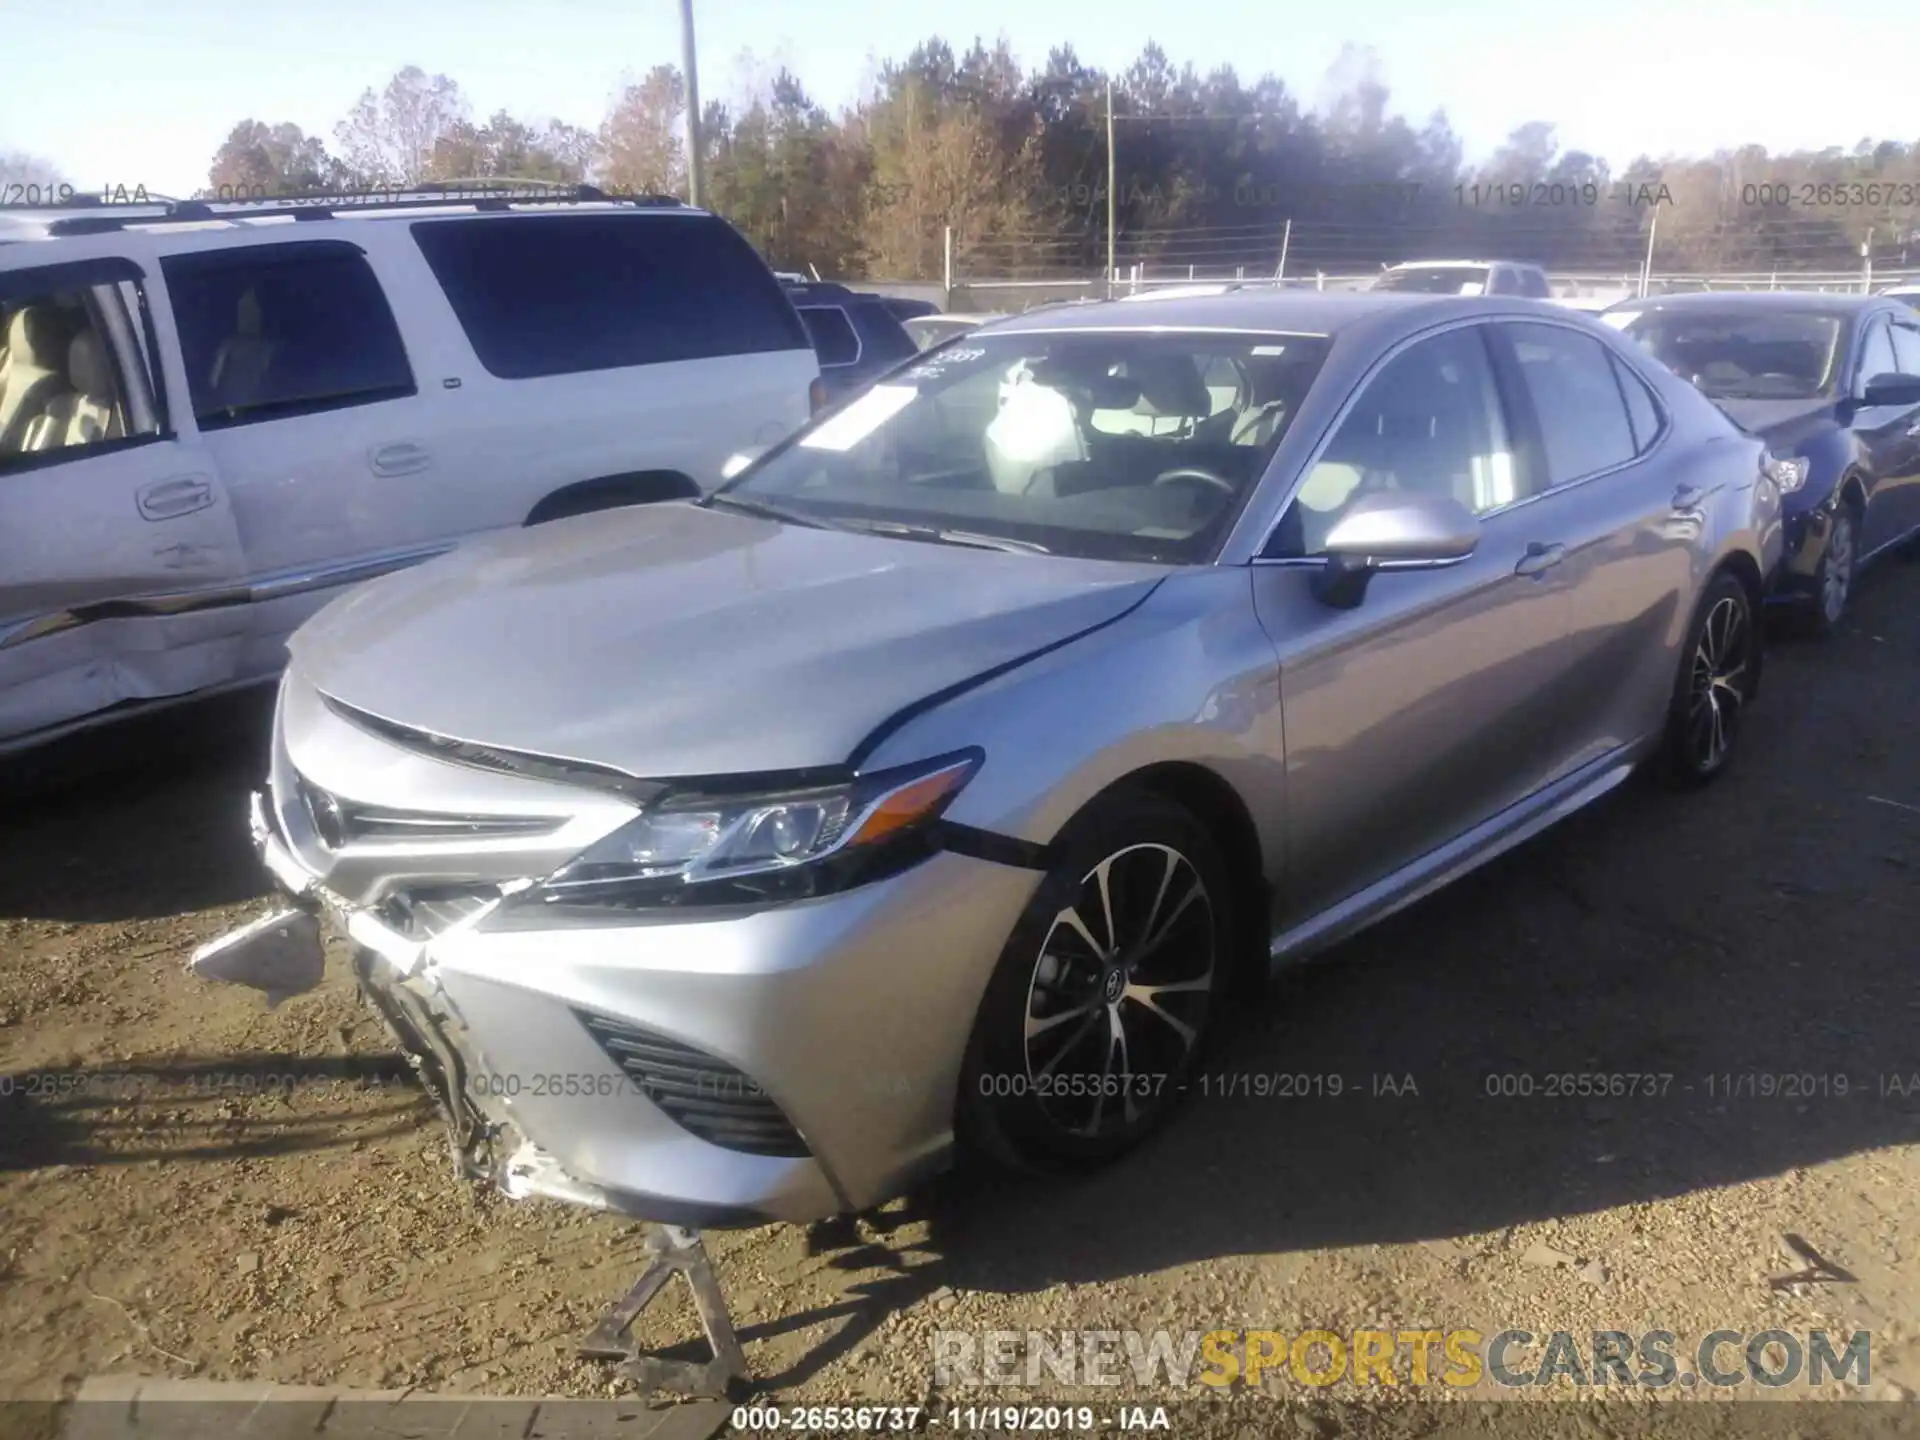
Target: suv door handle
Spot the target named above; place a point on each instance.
(403, 458)
(1540, 558)
(181, 495)
(1688, 496)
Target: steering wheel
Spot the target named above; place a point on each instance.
(1193, 472)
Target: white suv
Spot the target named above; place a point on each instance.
(215, 418)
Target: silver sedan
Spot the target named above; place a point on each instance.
(935, 785)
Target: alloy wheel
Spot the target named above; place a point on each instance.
(1836, 573)
(1718, 683)
(1120, 991)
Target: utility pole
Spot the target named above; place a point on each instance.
(1286, 238)
(1646, 270)
(1866, 256)
(695, 180)
(1113, 198)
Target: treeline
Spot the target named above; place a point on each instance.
(1211, 171)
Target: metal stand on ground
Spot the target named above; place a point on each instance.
(672, 1249)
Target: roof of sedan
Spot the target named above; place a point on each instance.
(1819, 302)
(1296, 312)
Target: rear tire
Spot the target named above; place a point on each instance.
(1718, 676)
(1107, 993)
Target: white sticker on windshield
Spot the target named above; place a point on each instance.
(1619, 319)
(861, 417)
(1269, 350)
(1473, 287)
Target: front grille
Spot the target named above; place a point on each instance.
(340, 822)
(425, 911)
(705, 1096)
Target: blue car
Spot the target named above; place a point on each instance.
(1832, 383)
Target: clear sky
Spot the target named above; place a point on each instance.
(125, 92)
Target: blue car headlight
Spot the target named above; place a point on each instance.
(752, 843)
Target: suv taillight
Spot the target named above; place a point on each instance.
(817, 395)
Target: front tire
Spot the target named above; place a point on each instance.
(1833, 581)
(1106, 993)
(1719, 675)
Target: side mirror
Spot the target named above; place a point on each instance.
(1392, 530)
(1892, 389)
(741, 459)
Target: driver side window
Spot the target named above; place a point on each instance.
(1429, 420)
(1876, 357)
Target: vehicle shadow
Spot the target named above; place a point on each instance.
(1735, 949)
(136, 821)
(229, 1107)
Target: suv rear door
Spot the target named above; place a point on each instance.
(120, 556)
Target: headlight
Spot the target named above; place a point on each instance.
(707, 844)
(1788, 474)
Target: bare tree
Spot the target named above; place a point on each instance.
(389, 138)
(640, 142)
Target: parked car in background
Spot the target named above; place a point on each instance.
(1465, 277)
(1908, 295)
(855, 336)
(213, 420)
(945, 776)
(926, 331)
(1832, 383)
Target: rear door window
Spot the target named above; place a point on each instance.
(883, 340)
(1583, 416)
(543, 295)
(834, 340)
(270, 331)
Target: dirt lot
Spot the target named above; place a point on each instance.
(205, 1187)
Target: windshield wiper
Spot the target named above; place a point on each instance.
(942, 536)
(761, 508)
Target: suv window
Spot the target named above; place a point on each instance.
(1876, 355)
(546, 295)
(276, 330)
(1583, 416)
(883, 340)
(62, 388)
(1533, 284)
(1429, 420)
(832, 334)
(1906, 348)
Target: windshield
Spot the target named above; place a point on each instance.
(1436, 280)
(1102, 445)
(1735, 355)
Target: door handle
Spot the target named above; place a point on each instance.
(1540, 558)
(403, 458)
(182, 495)
(1688, 496)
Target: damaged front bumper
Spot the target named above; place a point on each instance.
(284, 954)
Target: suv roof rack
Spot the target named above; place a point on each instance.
(482, 195)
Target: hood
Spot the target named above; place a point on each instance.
(1783, 424)
(671, 640)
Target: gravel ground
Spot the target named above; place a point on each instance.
(193, 1185)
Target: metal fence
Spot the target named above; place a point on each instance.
(989, 295)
